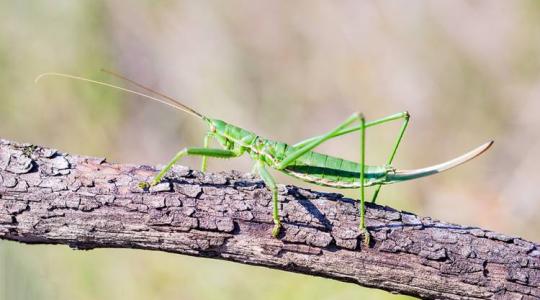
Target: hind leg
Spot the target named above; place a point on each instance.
(405, 117)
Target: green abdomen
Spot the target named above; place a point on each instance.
(332, 171)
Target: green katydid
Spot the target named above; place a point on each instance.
(298, 160)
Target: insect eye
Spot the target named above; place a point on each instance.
(213, 128)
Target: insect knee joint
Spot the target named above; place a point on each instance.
(359, 115)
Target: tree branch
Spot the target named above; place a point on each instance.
(84, 202)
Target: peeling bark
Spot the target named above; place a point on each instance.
(55, 198)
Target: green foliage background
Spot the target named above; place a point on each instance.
(468, 71)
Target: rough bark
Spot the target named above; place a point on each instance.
(84, 202)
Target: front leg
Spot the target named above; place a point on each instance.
(211, 152)
(205, 145)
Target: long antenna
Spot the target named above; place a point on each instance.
(150, 90)
(173, 103)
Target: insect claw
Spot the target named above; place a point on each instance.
(144, 185)
(367, 236)
(276, 230)
(367, 239)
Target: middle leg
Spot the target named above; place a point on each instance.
(271, 184)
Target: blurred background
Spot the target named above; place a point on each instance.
(467, 71)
